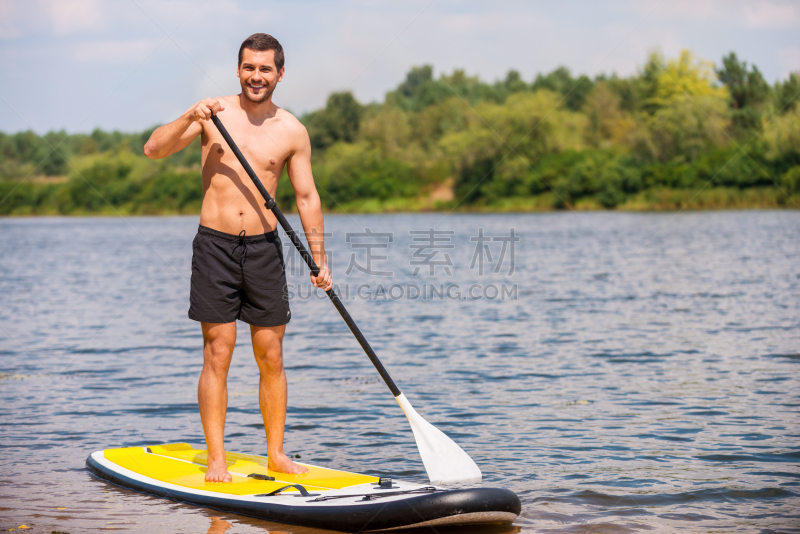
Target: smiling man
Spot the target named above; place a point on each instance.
(237, 262)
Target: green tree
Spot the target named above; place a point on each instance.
(609, 124)
(787, 93)
(338, 121)
(748, 93)
(684, 128)
(564, 139)
(356, 171)
(574, 90)
(514, 83)
(419, 90)
(648, 80)
(682, 77)
(782, 135)
(627, 90)
(685, 112)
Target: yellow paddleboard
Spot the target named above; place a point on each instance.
(322, 498)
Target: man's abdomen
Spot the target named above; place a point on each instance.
(233, 209)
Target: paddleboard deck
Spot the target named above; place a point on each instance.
(321, 498)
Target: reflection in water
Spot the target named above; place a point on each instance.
(645, 377)
(218, 526)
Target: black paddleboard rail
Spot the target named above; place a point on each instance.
(309, 259)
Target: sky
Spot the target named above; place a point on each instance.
(131, 64)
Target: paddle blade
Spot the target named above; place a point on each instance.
(445, 462)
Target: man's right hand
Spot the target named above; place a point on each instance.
(177, 135)
(205, 108)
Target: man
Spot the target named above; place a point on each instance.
(237, 262)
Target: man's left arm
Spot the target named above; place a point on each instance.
(309, 207)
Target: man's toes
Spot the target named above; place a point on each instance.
(219, 477)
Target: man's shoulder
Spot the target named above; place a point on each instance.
(290, 122)
(294, 130)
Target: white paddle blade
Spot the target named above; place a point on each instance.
(445, 462)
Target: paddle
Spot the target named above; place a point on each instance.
(445, 462)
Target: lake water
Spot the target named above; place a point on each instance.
(635, 372)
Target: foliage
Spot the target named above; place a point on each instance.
(683, 77)
(782, 135)
(110, 182)
(358, 171)
(337, 121)
(683, 127)
(787, 94)
(749, 92)
(678, 131)
(573, 90)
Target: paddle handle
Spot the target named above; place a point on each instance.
(270, 205)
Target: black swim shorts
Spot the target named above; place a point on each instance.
(238, 277)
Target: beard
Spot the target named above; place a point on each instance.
(266, 93)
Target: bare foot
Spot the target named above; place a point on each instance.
(282, 464)
(217, 470)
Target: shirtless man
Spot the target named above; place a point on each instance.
(237, 262)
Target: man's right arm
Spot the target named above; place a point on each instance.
(175, 136)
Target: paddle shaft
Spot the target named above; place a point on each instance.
(270, 204)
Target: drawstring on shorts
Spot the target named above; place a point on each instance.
(242, 243)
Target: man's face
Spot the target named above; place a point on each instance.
(258, 75)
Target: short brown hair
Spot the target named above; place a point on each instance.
(262, 42)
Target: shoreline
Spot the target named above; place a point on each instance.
(647, 201)
(487, 211)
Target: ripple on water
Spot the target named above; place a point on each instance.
(644, 379)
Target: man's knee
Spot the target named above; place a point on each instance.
(270, 359)
(218, 347)
(268, 347)
(217, 357)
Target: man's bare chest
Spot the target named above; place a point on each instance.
(265, 149)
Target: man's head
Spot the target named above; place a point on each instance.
(260, 66)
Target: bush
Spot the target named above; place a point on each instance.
(355, 171)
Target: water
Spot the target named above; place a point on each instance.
(645, 378)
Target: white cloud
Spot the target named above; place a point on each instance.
(762, 14)
(74, 16)
(693, 10)
(10, 15)
(680, 10)
(768, 15)
(113, 51)
(479, 23)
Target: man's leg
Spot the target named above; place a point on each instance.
(212, 394)
(268, 350)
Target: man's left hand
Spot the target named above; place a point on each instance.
(324, 280)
